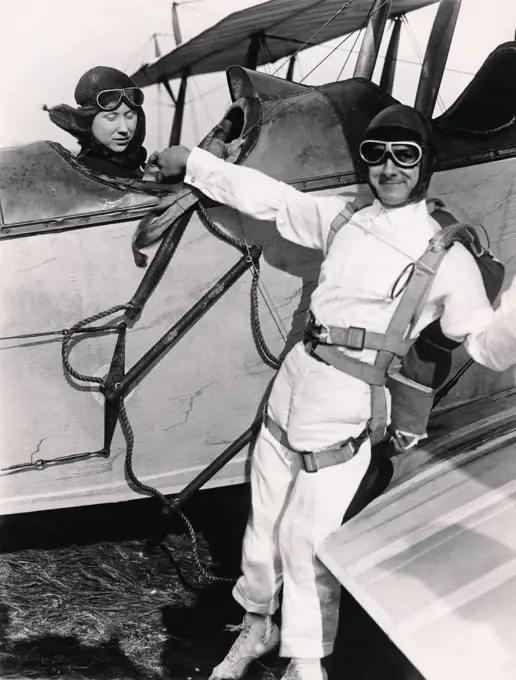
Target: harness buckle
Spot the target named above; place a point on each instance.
(333, 455)
(309, 461)
(310, 345)
(355, 338)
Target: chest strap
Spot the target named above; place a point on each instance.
(329, 354)
(354, 337)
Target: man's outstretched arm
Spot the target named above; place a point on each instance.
(489, 336)
(301, 218)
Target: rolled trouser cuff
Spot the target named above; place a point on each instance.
(305, 648)
(265, 609)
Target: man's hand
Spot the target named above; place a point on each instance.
(172, 162)
(151, 170)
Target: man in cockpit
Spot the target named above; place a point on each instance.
(299, 494)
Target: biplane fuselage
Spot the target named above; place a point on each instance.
(66, 255)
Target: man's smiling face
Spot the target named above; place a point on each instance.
(392, 183)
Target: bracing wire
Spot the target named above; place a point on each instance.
(131, 59)
(346, 5)
(201, 97)
(349, 55)
(366, 20)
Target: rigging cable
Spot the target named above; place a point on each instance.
(130, 60)
(349, 55)
(346, 5)
(201, 97)
(369, 14)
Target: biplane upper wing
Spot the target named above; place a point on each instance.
(285, 26)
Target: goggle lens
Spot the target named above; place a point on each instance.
(108, 100)
(404, 154)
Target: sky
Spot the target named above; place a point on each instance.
(45, 46)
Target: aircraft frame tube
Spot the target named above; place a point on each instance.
(436, 56)
(209, 471)
(372, 40)
(160, 262)
(389, 67)
(188, 320)
(177, 123)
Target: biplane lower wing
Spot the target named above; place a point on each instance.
(433, 560)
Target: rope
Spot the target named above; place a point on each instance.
(264, 352)
(63, 331)
(217, 231)
(195, 551)
(167, 503)
(263, 290)
(266, 355)
(68, 334)
(129, 436)
(66, 349)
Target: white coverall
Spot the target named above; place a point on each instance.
(317, 405)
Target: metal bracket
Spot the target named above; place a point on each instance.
(111, 389)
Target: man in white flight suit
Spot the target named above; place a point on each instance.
(315, 404)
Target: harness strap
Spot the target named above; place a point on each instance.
(379, 414)
(355, 338)
(329, 354)
(314, 461)
(344, 217)
(360, 203)
(372, 375)
(416, 294)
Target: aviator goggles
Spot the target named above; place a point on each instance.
(403, 154)
(109, 100)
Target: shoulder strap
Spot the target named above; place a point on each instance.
(415, 295)
(404, 319)
(344, 217)
(435, 208)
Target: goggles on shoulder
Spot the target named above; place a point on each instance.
(403, 154)
(109, 100)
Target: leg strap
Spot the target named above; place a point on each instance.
(374, 376)
(316, 460)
